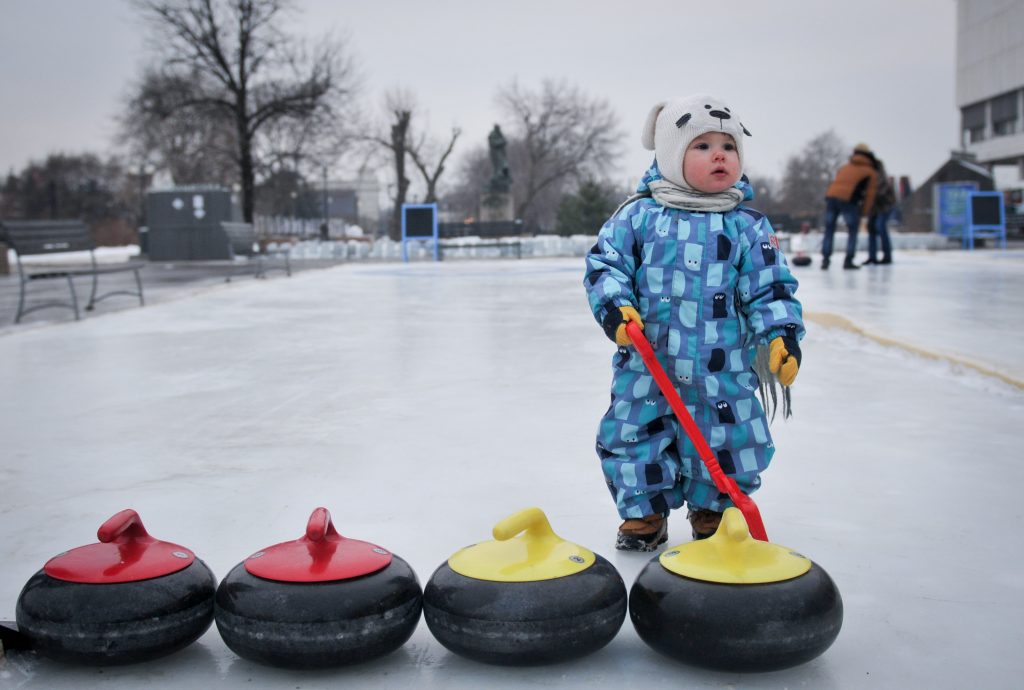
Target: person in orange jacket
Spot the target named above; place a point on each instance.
(852, 196)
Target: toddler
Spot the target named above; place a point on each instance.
(703, 276)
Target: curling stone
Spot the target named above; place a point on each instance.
(801, 259)
(528, 599)
(734, 603)
(319, 601)
(11, 638)
(128, 598)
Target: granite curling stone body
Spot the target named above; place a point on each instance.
(128, 598)
(320, 601)
(528, 599)
(733, 603)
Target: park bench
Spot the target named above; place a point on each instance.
(248, 256)
(53, 238)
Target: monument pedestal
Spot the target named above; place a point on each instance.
(497, 207)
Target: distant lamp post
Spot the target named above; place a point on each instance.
(324, 226)
(294, 194)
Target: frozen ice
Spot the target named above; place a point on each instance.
(423, 402)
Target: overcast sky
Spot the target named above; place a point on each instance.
(876, 71)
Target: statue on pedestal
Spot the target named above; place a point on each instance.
(496, 204)
(501, 179)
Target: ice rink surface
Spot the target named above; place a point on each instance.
(422, 403)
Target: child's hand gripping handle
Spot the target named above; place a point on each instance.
(725, 483)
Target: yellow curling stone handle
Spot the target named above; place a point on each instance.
(526, 550)
(732, 556)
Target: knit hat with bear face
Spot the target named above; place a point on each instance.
(672, 125)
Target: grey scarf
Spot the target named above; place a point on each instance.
(688, 199)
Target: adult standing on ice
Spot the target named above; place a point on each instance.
(704, 276)
(878, 223)
(851, 195)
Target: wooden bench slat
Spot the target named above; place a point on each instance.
(99, 270)
(29, 237)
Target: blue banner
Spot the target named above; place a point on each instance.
(951, 207)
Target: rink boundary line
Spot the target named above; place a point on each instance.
(832, 320)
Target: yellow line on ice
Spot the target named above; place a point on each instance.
(830, 320)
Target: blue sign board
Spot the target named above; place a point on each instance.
(419, 224)
(951, 207)
(986, 217)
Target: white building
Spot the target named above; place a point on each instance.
(363, 205)
(990, 80)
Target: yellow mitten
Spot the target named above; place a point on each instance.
(784, 359)
(628, 314)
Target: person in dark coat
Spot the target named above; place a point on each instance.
(878, 224)
(852, 196)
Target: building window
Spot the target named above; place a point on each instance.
(1004, 127)
(1004, 114)
(973, 121)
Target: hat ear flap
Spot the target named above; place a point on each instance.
(647, 137)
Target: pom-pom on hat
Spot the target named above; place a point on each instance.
(862, 148)
(672, 125)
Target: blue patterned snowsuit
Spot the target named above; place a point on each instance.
(709, 287)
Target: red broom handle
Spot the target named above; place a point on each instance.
(723, 482)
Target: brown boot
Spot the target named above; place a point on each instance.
(704, 522)
(642, 534)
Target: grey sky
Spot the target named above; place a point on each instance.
(877, 71)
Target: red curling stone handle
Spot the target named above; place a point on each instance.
(124, 526)
(320, 526)
(126, 552)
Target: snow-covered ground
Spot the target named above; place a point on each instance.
(423, 402)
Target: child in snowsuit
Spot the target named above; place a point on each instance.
(704, 277)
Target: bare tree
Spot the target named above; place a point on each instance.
(100, 192)
(432, 172)
(68, 186)
(232, 64)
(471, 176)
(559, 136)
(399, 145)
(402, 140)
(396, 142)
(766, 194)
(303, 146)
(193, 144)
(807, 174)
